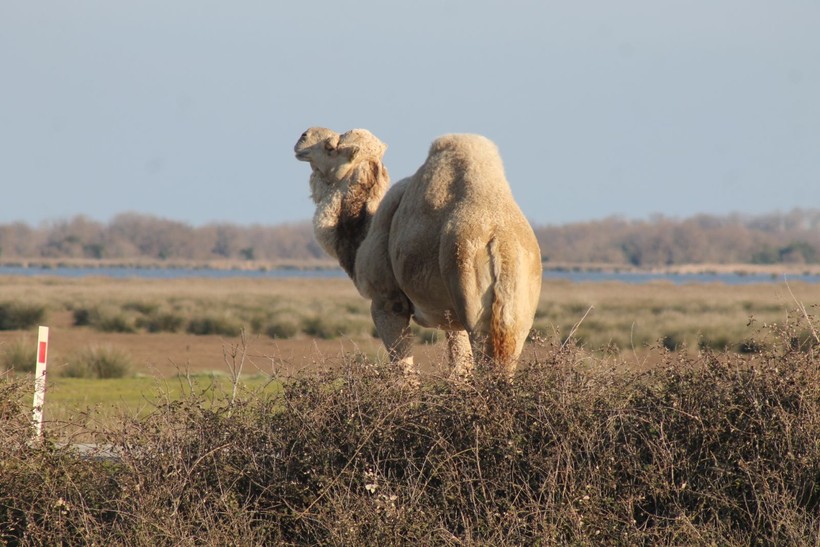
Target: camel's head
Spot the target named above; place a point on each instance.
(333, 155)
(334, 158)
(315, 146)
(360, 145)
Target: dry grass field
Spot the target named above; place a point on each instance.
(120, 343)
(335, 317)
(165, 327)
(629, 318)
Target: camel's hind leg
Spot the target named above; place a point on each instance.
(459, 353)
(471, 293)
(392, 318)
(483, 291)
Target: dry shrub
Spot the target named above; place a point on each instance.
(223, 325)
(714, 448)
(20, 315)
(19, 355)
(101, 362)
(161, 321)
(329, 326)
(282, 329)
(105, 318)
(48, 496)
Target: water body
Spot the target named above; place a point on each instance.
(573, 276)
(679, 279)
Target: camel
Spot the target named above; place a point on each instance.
(448, 246)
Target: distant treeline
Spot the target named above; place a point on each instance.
(792, 237)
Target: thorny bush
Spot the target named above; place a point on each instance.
(706, 449)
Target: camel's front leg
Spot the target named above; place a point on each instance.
(392, 318)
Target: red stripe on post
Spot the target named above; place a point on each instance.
(41, 355)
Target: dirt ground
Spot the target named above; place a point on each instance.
(167, 354)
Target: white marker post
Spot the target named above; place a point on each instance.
(40, 381)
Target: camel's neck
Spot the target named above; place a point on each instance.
(343, 217)
(354, 223)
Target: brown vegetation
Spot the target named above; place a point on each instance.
(710, 448)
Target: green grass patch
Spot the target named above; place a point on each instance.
(140, 395)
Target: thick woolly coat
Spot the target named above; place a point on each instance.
(453, 240)
(447, 246)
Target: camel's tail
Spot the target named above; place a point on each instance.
(503, 335)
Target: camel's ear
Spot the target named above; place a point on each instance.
(350, 150)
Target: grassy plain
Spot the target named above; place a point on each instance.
(171, 328)
(632, 318)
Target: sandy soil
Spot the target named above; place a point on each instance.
(167, 354)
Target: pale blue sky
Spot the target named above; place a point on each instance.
(189, 110)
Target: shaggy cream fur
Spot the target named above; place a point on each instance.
(347, 182)
(447, 246)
